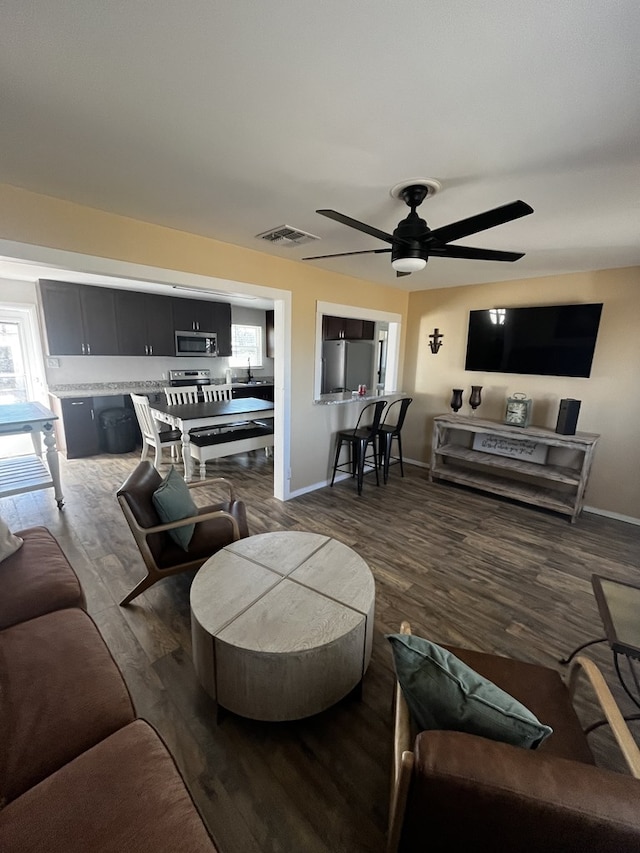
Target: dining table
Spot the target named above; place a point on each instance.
(28, 473)
(189, 416)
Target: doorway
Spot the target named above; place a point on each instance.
(21, 368)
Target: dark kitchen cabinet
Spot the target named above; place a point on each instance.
(262, 392)
(144, 323)
(222, 326)
(193, 315)
(77, 432)
(347, 328)
(79, 320)
(270, 334)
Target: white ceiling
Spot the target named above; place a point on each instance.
(229, 118)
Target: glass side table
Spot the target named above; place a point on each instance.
(619, 607)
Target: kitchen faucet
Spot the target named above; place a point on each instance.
(249, 376)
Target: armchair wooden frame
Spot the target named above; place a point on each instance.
(140, 534)
(403, 756)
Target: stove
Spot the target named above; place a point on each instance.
(180, 378)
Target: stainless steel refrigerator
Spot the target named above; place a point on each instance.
(347, 364)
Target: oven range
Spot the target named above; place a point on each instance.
(180, 378)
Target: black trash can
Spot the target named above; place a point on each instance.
(118, 430)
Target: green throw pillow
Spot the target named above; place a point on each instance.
(442, 692)
(173, 501)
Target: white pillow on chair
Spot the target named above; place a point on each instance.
(9, 542)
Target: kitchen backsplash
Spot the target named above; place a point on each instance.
(79, 370)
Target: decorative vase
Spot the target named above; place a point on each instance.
(456, 399)
(476, 397)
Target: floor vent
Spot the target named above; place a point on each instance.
(285, 235)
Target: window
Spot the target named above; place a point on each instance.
(246, 346)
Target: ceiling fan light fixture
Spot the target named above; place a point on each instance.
(408, 264)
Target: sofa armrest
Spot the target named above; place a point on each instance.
(475, 793)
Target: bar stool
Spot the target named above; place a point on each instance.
(359, 439)
(388, 431)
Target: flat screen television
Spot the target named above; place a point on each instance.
(548, 340)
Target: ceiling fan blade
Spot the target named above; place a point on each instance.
(344, 254)
(473, 254)
(398, 273)
(481, 222)
(359, 226)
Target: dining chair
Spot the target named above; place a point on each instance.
(358, 440)
(181, 395)
(152, 437)
(388, 431)
(216, 393)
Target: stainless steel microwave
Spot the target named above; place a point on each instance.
(197, 343)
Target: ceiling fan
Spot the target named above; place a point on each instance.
(413, 242)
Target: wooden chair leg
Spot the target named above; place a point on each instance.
(144, 584)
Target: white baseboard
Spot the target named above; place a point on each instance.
(312, 488)
(616, 515)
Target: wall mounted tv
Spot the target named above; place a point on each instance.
(549, 340)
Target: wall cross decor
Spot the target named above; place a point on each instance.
(436, 341)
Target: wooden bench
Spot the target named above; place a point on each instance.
(228, 439)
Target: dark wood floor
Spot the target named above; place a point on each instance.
(464, 568)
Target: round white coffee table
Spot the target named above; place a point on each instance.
(282, 624)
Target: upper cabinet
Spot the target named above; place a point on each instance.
(145, 323)
(84, 320)
(79, 320)
(270, 334)
(346, 328)
(193, 315)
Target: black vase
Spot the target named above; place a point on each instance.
(476, 396)
(456, 399)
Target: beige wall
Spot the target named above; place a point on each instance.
(43, 221)
(610, 397)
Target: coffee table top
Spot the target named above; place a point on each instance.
(282, 592)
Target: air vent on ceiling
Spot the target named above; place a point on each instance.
(285, 235)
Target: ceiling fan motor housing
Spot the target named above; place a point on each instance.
(410, 238)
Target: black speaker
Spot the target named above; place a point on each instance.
(568, 417)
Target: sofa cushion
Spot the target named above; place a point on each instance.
(124, 795)
(443, 692)
(61, 693)
(36, 579)
(173, 502)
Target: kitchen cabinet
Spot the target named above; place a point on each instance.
(222, 326)
(144, 323)
(77, 430)
(347, 328)
(262, 392)
(79, 320)
(84, 320)
(193, 315)
(270, 334)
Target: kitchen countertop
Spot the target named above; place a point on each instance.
(348, 397)
(114, 389)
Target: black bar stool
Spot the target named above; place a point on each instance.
(388, 431)
(359, 439)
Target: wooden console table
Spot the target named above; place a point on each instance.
(21, 474)
(557, 483)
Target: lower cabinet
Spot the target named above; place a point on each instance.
(77, 430)
(261, 392)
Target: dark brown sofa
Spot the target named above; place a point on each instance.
(78, 771)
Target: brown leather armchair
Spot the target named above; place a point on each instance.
(456, 790)
(216, 525)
